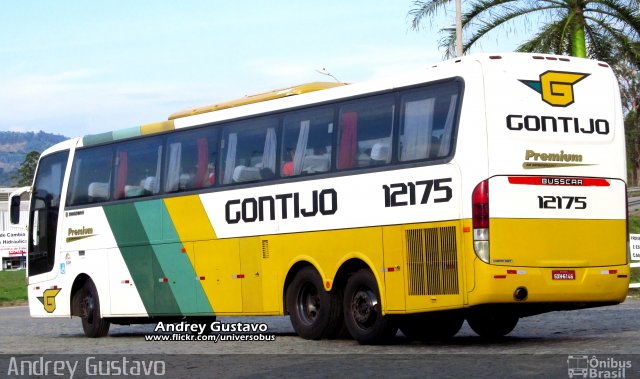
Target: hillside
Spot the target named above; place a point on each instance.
(14, 146)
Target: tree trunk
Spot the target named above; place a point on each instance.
(579, 45)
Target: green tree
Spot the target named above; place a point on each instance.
(24, 174)
(582, 28)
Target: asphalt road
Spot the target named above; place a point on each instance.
(543, 345)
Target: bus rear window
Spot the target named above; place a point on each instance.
(427, 121)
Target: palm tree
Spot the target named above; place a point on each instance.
(582, 28)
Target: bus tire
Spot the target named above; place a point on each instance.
(314, 312)
(431, 326)
(363, 310)
(92, 323)
(492, 325)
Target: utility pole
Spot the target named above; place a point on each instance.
(458, 28)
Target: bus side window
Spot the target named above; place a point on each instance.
(91, 176)
(138, 166)
(191, 160)
(249, 151)
(366, 130)
(307, 142)
(428, 118)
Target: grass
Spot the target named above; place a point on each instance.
(13, 288)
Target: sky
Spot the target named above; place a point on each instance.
(75, 67)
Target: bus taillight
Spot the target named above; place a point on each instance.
(480, 215)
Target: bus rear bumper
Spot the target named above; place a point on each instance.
(590, 286)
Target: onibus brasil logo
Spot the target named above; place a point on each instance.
(556, 87)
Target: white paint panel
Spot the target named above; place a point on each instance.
(507, 200)
(361, 202)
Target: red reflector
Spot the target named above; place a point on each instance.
(55, 287)
(512, 272)
(499, 276)
(466, 229)
(613, 272)
(37, 288)
(327, 284)
(163, 280)
(391, 269)
(239, 276)
(559, 181)
(183, 250)
(202, 278)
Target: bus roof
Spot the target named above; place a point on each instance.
(250, 99)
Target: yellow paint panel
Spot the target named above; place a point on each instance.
(557, 242)
(218, 261)
(271, 95)
(394, 257)
(189, 218)
(157, 127)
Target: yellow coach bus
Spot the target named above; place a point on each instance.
(486, 188)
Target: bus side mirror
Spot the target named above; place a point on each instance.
(14, 205)
(15, 210)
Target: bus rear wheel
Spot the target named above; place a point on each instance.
(492, 325)
(314, 312)
(92, 323)
(431, 326)
(363, 310)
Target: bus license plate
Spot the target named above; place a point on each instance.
(563, 274)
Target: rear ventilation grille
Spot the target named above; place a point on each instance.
(432, 261)
(265, 249)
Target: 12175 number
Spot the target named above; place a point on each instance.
(412, 193)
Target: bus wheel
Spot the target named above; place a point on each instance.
(491, 325)
(314, 312)
(363, 310)
(92, 324)
(431, 326)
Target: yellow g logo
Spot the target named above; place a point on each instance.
(556, 87)
(48, 299)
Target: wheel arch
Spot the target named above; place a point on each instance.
(74, 300)
(291, 273)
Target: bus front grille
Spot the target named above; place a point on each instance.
(432, 261)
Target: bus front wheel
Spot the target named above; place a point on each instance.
(363, 310)
(314, 312)
(92, 323)
(492, 325)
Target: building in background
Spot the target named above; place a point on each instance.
(13, 239)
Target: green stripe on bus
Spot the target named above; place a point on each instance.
(175, 264)
(95, 139)
(141, 260)
(126, 133)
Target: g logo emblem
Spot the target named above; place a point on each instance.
(48, 299)
(556, 87)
